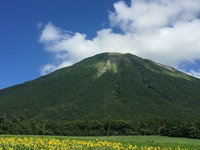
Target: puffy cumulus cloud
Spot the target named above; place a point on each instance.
(164, 31)
(50, 33)
(143, 15)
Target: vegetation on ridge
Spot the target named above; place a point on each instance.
(108, 94)
(129, 87)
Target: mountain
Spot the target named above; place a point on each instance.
(108, 85)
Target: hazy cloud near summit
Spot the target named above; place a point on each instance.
(164, 31)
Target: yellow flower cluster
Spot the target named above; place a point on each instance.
(38, 143)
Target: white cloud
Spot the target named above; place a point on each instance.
(143, 15)
(47, 69)
(51, 33)
(164, 31)
(50, 67)
(193, 73)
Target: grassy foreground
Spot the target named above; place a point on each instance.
(111, 142)
(153, 141)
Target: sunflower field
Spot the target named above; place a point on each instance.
(46, 143)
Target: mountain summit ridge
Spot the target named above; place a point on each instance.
(108, 85)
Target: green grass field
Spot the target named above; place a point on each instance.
(152, 141)
(163, 142)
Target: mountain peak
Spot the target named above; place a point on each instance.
(113, 61)
(108, 85)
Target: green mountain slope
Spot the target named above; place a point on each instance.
(108, 85)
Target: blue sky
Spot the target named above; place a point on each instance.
(40, 36)
(21, 55)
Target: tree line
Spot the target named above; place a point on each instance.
(18, 125)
